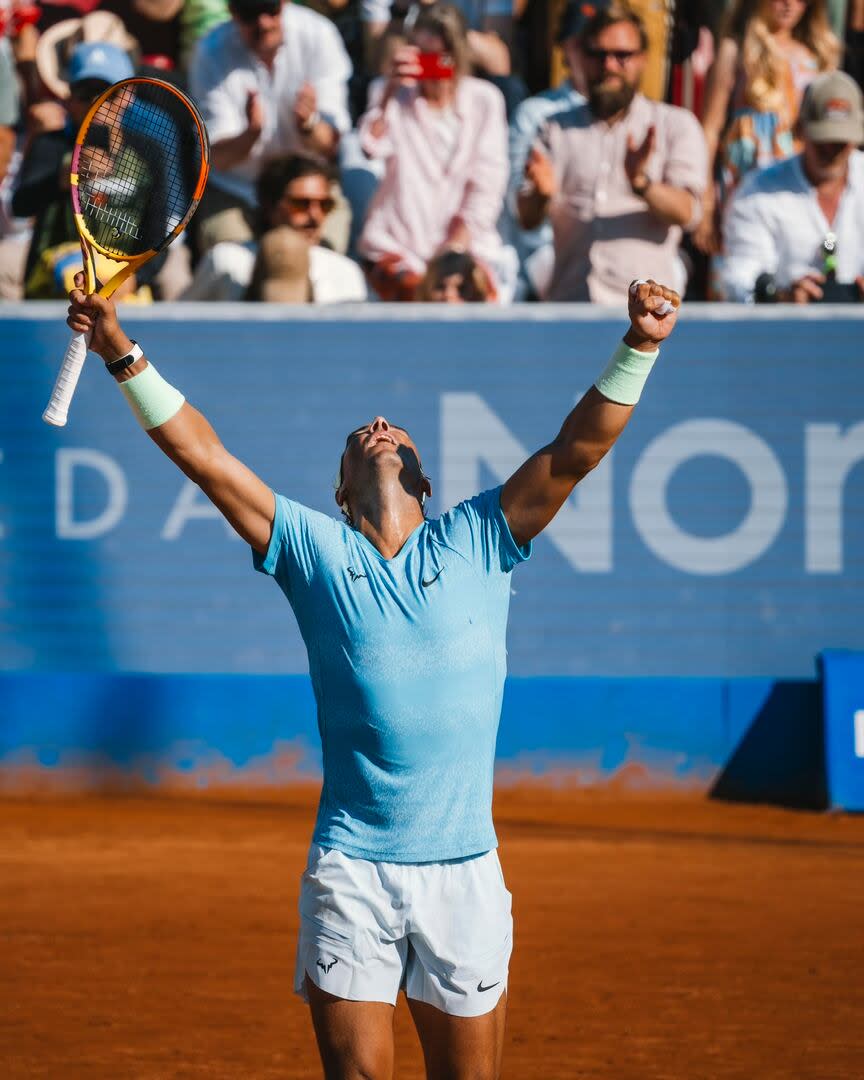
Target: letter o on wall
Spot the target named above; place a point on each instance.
(716, 554)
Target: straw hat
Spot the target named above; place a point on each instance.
(56, 45)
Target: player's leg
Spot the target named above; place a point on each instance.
(460, 1047)
(355, 1038)
(457, 966)
(350, 963)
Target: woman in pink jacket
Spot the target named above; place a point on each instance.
(442, 136)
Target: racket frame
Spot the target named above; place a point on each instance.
(88, 244)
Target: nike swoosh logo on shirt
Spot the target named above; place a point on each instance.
(483, 988)
(432, 581)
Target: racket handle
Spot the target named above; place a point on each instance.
(67, 380)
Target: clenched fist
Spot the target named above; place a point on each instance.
(653, 311)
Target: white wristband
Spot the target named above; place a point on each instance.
(154, 401)
(626, 374)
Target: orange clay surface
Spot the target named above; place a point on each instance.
(655, 937)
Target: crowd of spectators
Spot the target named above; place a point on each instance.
(495, 152)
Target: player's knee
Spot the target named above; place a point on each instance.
(363, 1066)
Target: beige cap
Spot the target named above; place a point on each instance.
(56, 45)
(833, 110)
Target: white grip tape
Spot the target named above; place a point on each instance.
(67, 379)
(665, 308)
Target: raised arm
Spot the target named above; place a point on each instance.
(537, 490)
(186, 436)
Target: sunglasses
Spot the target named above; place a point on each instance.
(250, 13)
(304, 202)
(620, 56)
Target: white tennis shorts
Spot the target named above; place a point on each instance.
(443, 931)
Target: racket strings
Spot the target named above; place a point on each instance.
(138, 169)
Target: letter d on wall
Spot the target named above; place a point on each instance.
(68, 528)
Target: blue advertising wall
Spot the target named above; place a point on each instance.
(679, 599)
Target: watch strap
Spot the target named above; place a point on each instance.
(123, 362)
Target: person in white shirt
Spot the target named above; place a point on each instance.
(795, 231)
(289, 263)
(271, 82)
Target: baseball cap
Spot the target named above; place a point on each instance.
(833, 110)
(576, 16)
(97, 60)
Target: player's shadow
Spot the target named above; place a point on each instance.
(781, 757)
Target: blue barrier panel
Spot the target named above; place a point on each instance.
(85, 731)
(721, 540)
(723, 537)
(843, 695)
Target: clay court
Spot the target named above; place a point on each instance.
(673, 938)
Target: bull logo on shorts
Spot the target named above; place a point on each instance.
(326, 967)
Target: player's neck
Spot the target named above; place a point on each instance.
(387, 522)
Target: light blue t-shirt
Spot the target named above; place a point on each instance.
(407, 658)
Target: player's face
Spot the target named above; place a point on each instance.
(376, 444)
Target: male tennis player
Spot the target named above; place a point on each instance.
(404, 622)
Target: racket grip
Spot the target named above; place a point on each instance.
(67, 379)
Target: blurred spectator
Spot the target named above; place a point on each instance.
(769, 51)
(455, 277)
(197, 18)
(155, 25)
(12, 243)
(443, 138)
(42, 186)
(489, 35)
(9, 105)
(292, 266)
(795, 231)
(57, 44)
(270, 82)
(619, 176)
(854, 62)
(534, 246)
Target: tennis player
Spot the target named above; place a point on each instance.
(404, 622)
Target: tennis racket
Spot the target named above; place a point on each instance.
(139, 168)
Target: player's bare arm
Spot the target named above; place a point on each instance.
(537, 490)
(187, 438)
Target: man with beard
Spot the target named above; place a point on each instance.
(619, 176)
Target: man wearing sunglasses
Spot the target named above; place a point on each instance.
(289, 263)
(618, 176)
(270, 82)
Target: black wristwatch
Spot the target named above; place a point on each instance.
(123, 362)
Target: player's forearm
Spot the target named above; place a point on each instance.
(588, 434)
(594, 425)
